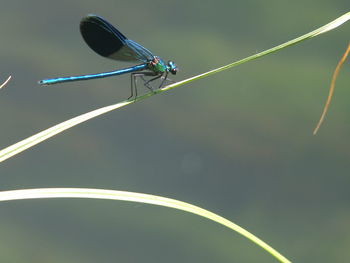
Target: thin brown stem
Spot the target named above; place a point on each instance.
(331, 89)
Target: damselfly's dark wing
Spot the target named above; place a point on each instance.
(108, 42)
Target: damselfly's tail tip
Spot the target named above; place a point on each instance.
(42, 82)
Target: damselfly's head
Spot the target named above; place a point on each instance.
(172, 68)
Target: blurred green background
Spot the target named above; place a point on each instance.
(238, 143)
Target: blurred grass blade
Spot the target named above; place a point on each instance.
(5, 82)
(331, 89)
(135, 197)
(44, 135)
(37, 138)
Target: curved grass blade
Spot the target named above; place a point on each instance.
(328, 27)
(37, 138)
(46, 134)
(331, 89)
(135, 197)
(5, 82)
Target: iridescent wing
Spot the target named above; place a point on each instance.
(107, 41)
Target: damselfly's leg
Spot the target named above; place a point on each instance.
(152, 79)
(167, 79)
(132, 86)
(164, 79)
(141, 75)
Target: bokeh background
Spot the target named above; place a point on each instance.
(238, 143)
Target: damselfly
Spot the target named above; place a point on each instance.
(109, 42)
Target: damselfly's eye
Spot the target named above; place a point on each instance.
(173, 71)
(172, 67)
